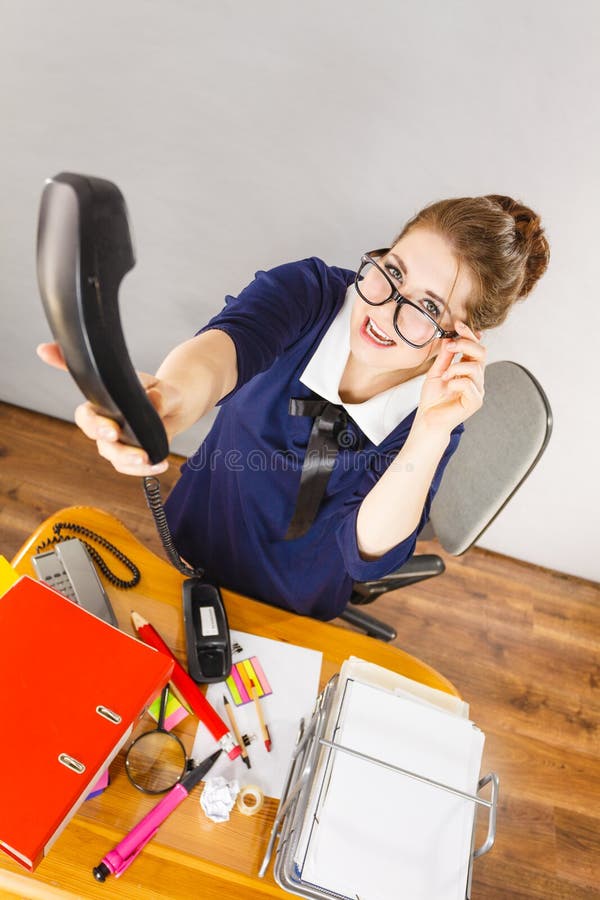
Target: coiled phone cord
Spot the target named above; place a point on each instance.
(59, 527)
(154, 501)
(153, 498)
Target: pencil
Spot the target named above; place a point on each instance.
(263, 728)
(236, 730)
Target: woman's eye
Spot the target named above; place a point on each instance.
(394, 272)
(432, 308)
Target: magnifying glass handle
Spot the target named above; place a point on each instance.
(162, 712)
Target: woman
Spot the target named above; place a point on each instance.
(371, 373)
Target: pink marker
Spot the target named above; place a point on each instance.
(120, 858)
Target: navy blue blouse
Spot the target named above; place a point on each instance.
(231, 508)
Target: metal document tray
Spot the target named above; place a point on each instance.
(300, 782)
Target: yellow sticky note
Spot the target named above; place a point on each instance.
(8, 575)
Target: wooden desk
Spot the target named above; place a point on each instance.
(191, 856)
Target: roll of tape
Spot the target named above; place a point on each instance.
(250, 800)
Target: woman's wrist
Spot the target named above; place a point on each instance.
(429, 435)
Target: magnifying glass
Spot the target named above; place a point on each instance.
(157, 759)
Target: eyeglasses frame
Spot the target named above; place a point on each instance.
(399, 299)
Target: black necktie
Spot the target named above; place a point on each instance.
(329, 433)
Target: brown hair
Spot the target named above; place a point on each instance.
(500, 241)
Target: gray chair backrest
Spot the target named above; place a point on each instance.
(501, 444)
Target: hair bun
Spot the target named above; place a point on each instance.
(530, 235)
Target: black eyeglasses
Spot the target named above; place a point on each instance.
(412, 323)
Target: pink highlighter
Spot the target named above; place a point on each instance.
(120, 857)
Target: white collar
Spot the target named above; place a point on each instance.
(376, 417)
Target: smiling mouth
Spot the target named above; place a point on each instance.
(376, 334)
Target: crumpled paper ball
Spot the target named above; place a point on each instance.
(218, 797)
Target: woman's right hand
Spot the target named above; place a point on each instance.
(125, 458)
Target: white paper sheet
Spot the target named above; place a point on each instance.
(379, 835)
(293, 673)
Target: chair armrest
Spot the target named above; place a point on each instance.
(417, 568)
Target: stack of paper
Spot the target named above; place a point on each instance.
(375, 833)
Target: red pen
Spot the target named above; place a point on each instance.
(189, 689)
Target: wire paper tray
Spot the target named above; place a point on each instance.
(300, 782)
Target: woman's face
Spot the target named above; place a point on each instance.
(424, 270)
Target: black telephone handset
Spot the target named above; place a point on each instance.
(84, 250)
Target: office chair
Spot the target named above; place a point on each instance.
(502, 443)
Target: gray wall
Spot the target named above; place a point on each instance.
(247, 134)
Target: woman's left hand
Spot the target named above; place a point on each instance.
(452, 393)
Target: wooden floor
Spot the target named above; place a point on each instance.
(520, 643)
